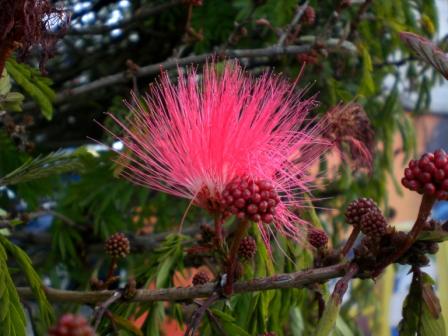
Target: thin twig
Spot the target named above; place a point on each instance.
(351, 240)
(241, 228)
(299, 13)
(342, 285)
(199, 313)
(102, 308)
(357, 20)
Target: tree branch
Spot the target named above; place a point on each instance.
(299, 13)
(280, 281)
(141, 14)
(123, 77)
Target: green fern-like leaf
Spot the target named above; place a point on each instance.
(42, 166)
(10, 101)
(12, 316)
(46, 313)
(34, 84)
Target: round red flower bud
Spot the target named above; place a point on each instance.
(309, 16)
(251, 199)
(317, 238)
(200, 278)
(267, 218)
(425, 177)
(439, 174)
(408, 173)
(430, 189)
(71, 325)
(357, 208)
(413, 164)
(444, 185)
(428, 175)
(195, 2)
(247, 248)
(256, 218)
(117, 245)
(373, 224)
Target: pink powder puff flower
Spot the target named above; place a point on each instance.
(230, 143)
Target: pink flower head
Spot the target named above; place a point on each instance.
(231, 143)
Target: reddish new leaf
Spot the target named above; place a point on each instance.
(427, 51)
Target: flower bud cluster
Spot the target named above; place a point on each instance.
(317, 238)
(364, 213)
(428, 175)
(71, 325)
(247, 248)
(251, 199)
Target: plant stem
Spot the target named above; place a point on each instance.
(423, 214)
(219, 229)
(102, 308)
(110, 275)
(231, 263)
(199, 313)
(331, 311)
(351, 240)
(112, 267)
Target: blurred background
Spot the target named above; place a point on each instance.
(352, 54)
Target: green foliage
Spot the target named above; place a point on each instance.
(227, 322)
(12, 316)
(279, 12)
(216, 30)
(32, 191)
(46, 314)
(165, 260)
(156, 315)
(367, 86)
(329, 317)
(125, 324)
(97, 203)
(158, 269)
(34, 84)
(421, 309)
(10, 101)
(42, 166)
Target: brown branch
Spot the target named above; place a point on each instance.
(241, 229)
(102, 308)
(423, 215)
(288, 280)
(351, 240)
(123, 77)
(295, 20)
(358, 18)
(141, 14)
(342, 285)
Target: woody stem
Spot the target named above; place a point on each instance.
(231, 262)
(423, 214)
(351, 240)
(112, 267)
(219, 229)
